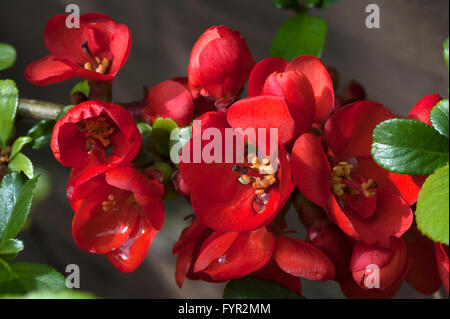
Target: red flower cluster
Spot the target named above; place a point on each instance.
(118, 209)
(357, 215)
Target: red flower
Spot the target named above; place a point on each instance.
(96, 50)
(220, 256)
(220, 64)
(442, 263)
(294, 81)
(229, 195)
(421, 110)
(373, 265)
(169, 99)
(95, 123)
(118, 213)
(360, 197)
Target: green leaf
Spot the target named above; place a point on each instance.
(20, 278)
(146, 156)
(161, 134)
(183, 135)
(18, 144)
(409, 147)
(323, 4)
(7, 56)
(41, 133)
(21, 163)
(445, 51)
(9, 97)
(287, 4)
(251, 287)
(15, 202)
(46, 294)
(10, 249)
(300, 35)
(63, 112)
(432, 206)
(439, 117)
(10, 189)
(82, 87)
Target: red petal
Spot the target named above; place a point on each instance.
(349, 130)
(298, 93)
(48, 70)
(65, 42)
(271, 271)
(213, 247)
(421, 111)
(301, 259)
(422, 274)
(321, 83)
(261, 71)
(336, 245)
(263, 112)
(184, 261)
(133, 251)
(132, 180)
(189, 235)
(392, 262)
(97, 231)
(310, 168)
(170, 99)
(393, 217)
(249, 252)
(442, 263)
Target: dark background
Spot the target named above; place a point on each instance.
(397, 64)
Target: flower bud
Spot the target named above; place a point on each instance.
(180, 185)
(220, 65)
(354, 92)
(169, 99)
(376, 266)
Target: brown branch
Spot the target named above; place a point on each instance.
(38, 110)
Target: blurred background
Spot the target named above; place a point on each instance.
(397, 64)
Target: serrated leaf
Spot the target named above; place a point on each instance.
(41, 133)
(15, 202)
(20, 278)
(46, 294)
(251, 287)
(10, 248)
(445, 51)
(433, 206)
(9, 97)
(300, 35)
(21, 163)
(18, 144)
(409, 147)
(439, 117)
(161, 129)
(82, 87)
(7, 55)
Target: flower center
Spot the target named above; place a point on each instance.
(98, 130)
(342, 183)
(261, 177)
(110, 204)
(95, 63)
(359, 194)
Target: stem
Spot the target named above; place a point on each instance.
(38, 110)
